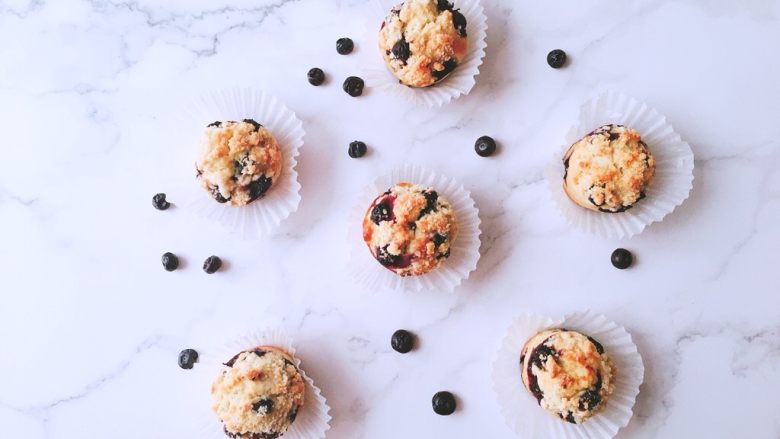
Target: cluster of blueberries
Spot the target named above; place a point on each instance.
(170, 261)
(485, 146)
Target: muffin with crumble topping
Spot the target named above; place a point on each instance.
(423, 41)
(410, 229)
(568, 373)
(608, 170)
(238, 161)
(258, 394)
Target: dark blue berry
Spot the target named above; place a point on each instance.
(443, 403)
(449, 66)
(187, 358)
(485, 146)
(430, 203)
(386, 258)
(599, 347)
(292, 414)
(344, 46)
(215, 124)
(212, 264)
(589, 400)
(459, 21)
(259, 187)
(622, 258)
(170, 261)
(316, 76)
(353, 86)
(254, 123)
(263, 406)
(444, 5)
(402, 341)
(381, 212)
(218, 195)
(159, 202)
(401, 50)
(357, 149)
(556, 58)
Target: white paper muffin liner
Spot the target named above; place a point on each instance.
(464, 252)
(262, 216)
(313, 419)
(520, 409)
(673, 179)
(459, 82)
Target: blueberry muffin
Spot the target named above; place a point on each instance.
(258, 394)
(608, 170)
(238, 161)
(409, 229)
(568, 373)
(422, 41)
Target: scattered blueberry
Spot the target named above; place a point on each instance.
(485, 146)
(622, 258)
(256, 125)
(212, 264)
(589, 400)
(357, 149)
(263, 407)
(402, 341)
(459, 21)
(443, 403)
(316, 76)
(170, 261)
(353, 86)
(556, 58)
(259, 187)
(344, 46)
(187, 358)
(159, 202)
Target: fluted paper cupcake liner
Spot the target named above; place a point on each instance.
(313, 420)
(459, 82)
(673, 179)
(262, 216)
(521, 410)
(464, 252)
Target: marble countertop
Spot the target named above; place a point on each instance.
(90, 324)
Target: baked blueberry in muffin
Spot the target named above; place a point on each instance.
(410, 229)
(258, 394)
(423, 41)
(608, 170)
(568, 373)
(238, 161)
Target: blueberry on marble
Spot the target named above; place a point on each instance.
(263, 406)
(353, 86)
(485, 146)
(402, 341)
(344, 46)
(188, 358)
(212, 264)
(170, 261)
(357, 149)
(316, 76)
(443, 403)
(556, 58)
(159, 202)
(622, 258)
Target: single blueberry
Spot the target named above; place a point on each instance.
(159, 202)
(622, 258)
(485, 146)
(344, 46)
(556, 58)
(448, 66)
(263, 406)
(316, 76)
(170, 261)
(402, 341)
(259, 187)
(187, 358)
(254, 123)
(382, 211)
(357, 149)
(401, 50)
(353, 86)
(443, 403)
(386, 258)
(212, 264)
(459, 21)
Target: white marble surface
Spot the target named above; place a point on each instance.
(90, 324)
